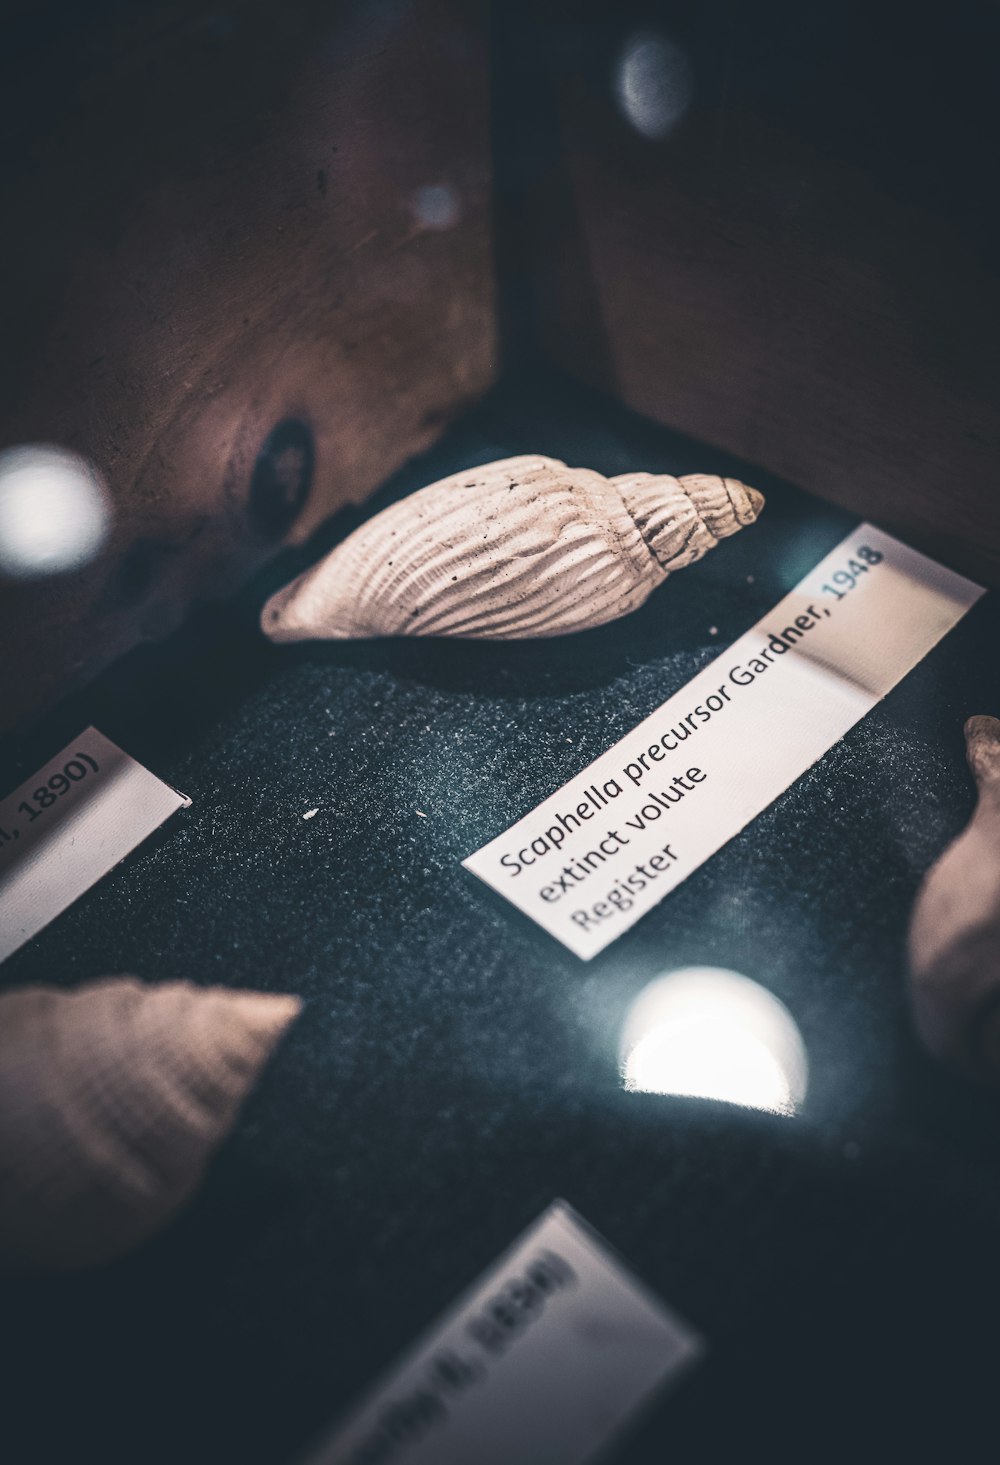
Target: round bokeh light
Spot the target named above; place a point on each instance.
(653, 82)
(55, 512)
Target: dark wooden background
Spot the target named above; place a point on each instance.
(210, 233)
(803, 270)
(210, 230)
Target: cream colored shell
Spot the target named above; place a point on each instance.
(523, 547)
(112, 1099)
(955, 928)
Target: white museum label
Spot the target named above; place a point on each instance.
(593, 858)
(69, 824)
(541, 1362)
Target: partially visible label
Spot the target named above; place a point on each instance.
(611, 843)
(69, 824)
(541, 1362)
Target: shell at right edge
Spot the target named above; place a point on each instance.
(954, 938)
(112, 1099)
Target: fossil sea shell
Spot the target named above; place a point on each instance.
(955, 928)
(112, 1100)
(523, 547)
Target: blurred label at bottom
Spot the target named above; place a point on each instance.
(541, 1362)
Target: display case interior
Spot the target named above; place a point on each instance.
(380, 245)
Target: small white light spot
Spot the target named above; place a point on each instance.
(420, 814)
(54, 511)
(749, 579)
(437, 206)
(654, 83)
(713, 630)
(310, 814)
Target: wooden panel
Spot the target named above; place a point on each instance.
(774, 279)
(213, 228)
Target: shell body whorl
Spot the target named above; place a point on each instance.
(954, 940)
(112, 1099)
(519, 548)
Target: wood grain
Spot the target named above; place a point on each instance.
(781, 300)
(214, 231)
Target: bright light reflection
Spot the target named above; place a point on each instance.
(708, 1033)
(54, 511)
(653, 82)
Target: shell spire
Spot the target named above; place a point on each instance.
(681, 519)
(518, 548)
(112, 1100)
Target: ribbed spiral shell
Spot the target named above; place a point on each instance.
(112, 1100)
(518, 548)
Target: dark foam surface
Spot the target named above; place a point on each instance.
(455, 1069)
